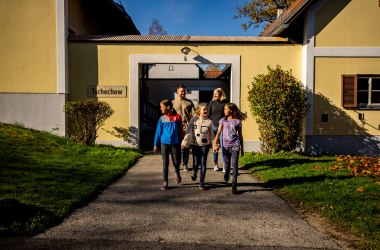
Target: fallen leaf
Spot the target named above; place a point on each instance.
(360, 189)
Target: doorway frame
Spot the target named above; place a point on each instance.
(136, 59)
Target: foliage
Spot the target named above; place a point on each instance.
(156, 28)
(350, 202)
(279, 103)
(260, 12)
(358, 165)
(45, 177)
(86, 117)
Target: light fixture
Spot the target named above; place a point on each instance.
(185, 50)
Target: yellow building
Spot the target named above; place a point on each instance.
(329, 45)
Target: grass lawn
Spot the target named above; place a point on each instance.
(45, 177)
(349, 198)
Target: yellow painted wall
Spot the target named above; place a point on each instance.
(348, 23)
(328, 93)
(108, 65)
(28, 50)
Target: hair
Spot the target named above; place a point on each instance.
(168, 103)
(236, 113)
(199, 107)
(181, 87)
(221, 94)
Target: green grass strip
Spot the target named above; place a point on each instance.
(45, 177)
(351, 202)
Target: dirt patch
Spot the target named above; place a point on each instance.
(345, 239)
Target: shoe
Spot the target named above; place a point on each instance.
(178, 178)
(185, 168)
(202, 186)
(226, 177)
(164, 186)
(224, 169)
(193, 176)
(234, 187)
(216, 168)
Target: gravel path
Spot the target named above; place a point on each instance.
(134, 213)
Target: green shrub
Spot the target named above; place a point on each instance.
(86, 117)
(279, 103)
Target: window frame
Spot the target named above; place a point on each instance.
(350, 91)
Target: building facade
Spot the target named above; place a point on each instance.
(330, 46)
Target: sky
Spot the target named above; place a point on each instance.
(188, 17)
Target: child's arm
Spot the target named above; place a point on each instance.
(157, 136)
(211, 133)
(240, 130)
(216, 139)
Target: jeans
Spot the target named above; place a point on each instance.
(185, 156)
(231, 157)
(175, 151)
(215, 154)
(200, 158)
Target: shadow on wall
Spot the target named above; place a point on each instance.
(129, 135)
(335, 132)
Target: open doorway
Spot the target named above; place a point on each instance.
(160, 81)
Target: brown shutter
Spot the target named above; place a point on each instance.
(349, 91)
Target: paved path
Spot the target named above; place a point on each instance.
(133, 213)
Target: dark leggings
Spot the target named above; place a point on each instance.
(231, 157)
(200, 158)
(175, 152)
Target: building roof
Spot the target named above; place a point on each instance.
(283, 21)
(176, 39)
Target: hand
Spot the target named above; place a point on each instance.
(155, 149)
(242, 153)
(216, 147)
(183, 147)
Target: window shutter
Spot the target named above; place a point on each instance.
(349, 91)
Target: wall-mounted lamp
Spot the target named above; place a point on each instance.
(185, 50)
(171, 67)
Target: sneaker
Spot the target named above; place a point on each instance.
(164, 186)
(185, 168)
(202, 186)
(193, 176)
(216, 168)
(224, 169)
(178, 178)
(234, 187)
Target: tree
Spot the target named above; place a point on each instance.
(156, 28)
(260, 12)
(279, 103)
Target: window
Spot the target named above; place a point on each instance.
(361, 91)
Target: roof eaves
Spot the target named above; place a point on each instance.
(177, 39)
(281, 23)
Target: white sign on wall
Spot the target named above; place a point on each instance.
(106, 91)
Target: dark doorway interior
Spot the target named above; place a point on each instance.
(153, 89)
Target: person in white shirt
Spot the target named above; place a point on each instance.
(200, 135)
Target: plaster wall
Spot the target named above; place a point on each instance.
(328, 97)
(110, 65)
(348, 23)
(28, 46)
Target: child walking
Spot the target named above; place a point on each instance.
(231, 128)
(199, 135)
(168, 134)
